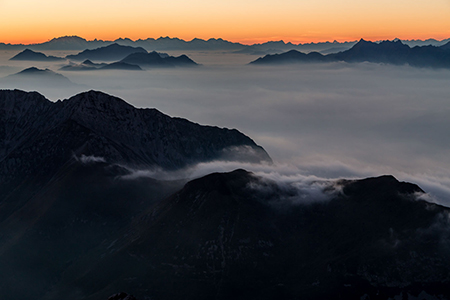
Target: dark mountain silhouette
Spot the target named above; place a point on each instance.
(28, 54)
(62, 190)
(76, 224)
(388, 52)
(238, 236)
(446, 46)
(167, 43)
(154, 59)
(292, 56)
(49, 225)
(396, 53)
(107, 53)
(97, 124)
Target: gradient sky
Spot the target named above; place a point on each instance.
(248, 21)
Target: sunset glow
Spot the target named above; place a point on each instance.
(250, 21)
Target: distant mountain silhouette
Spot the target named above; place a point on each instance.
(154, 59)
(28, 54)
(88, 65)
(34, 78)
(167, 43)
(107, 53)
(427, 42)
(389, 52)
(292, 56)
(70, 43)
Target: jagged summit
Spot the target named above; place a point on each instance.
(387, 52)
(97, 124)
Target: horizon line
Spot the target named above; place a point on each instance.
(219, 38)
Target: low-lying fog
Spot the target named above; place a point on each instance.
(325, 120)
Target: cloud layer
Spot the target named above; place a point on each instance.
(322, 121)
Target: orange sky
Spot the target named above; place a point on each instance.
(248, 21)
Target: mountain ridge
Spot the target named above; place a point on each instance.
(102, 125)
(167, 43)
(31, 55)
(389, 52)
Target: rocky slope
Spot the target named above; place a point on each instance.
(39, 136)
(238, 236)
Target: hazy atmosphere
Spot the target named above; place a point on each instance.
(334, 120)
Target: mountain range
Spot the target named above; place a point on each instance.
(106, 53)
(166, 43)
(389, 52)
(130, 58)
(95, 204)
(154, 59)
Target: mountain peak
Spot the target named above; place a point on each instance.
(68, 38)
(34, 70)
(390, 185)
(99, 101)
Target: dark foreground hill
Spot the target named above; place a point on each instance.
(77, 222)
(238, 236)
(388, 52)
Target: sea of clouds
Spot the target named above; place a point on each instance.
(322, 121)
